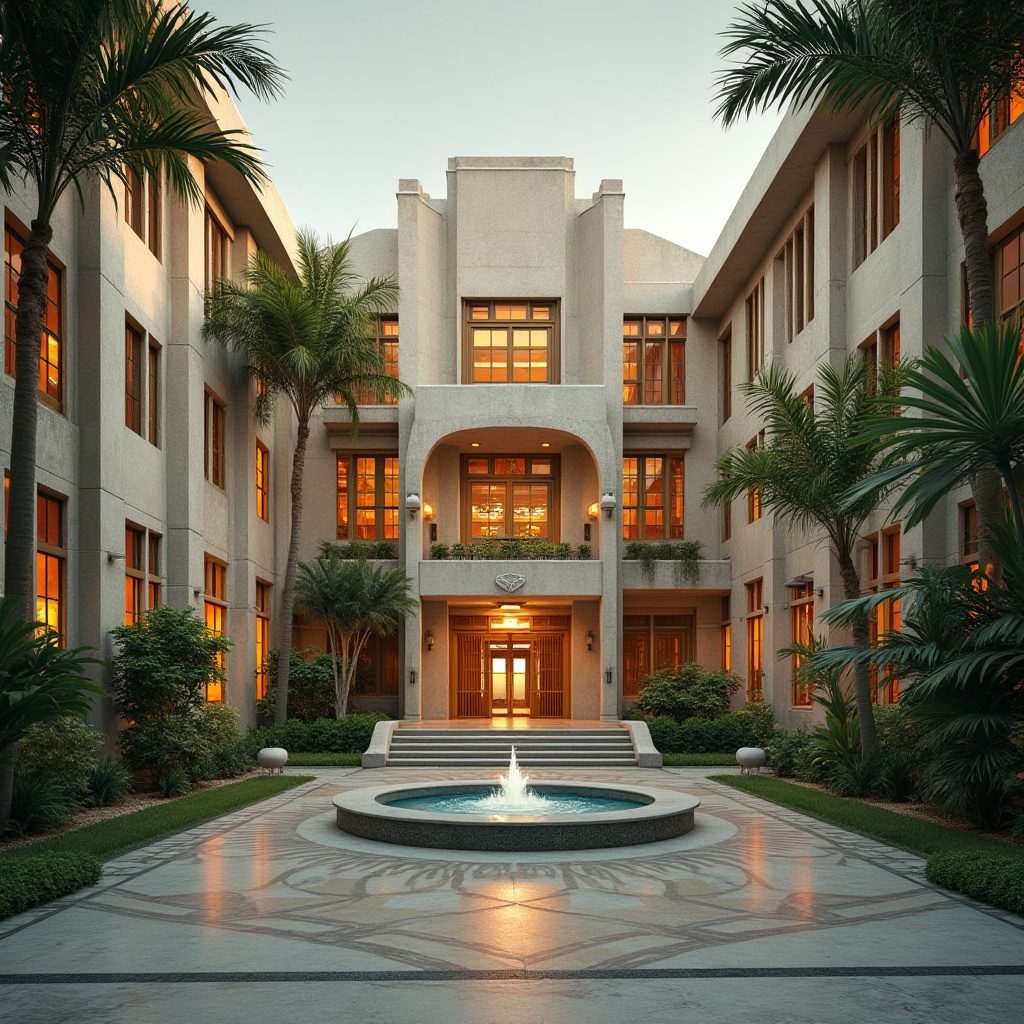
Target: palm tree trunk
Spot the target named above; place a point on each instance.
(21, 510)
(862, 639)
(972, 212)
(7, 756)
(358, 643)
(284, 662)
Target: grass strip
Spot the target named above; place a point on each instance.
(699, 760)
(325, 760)
(107, 839)
(902, 830)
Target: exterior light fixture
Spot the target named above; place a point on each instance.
(428, 640)
(545, 444)
(196, 591)
(474, 444)
(590, 639)
(798, 581)
(412, 504)
(820, 591)
(594, 509)
(113, 556)
(608, 504)
(428, 510)
(910, 561)
(608, 676)
(412, 677)
(509, 607)
(766, 609)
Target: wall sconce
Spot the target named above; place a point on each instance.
(412, 677)
(608, 677)
(594, 509)
(820, 591)
(766, 609)
(428, 510)
(428, 640)
(412, 504)
(910, 561)
(590, 639)
(113, 556)
(196, 591)
(608, 504)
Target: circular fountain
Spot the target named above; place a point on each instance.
(515, 815)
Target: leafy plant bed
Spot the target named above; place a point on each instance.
(726, 760)
(983, 867)
(325, 760)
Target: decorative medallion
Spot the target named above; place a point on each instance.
(510, 582)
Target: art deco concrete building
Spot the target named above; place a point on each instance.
(573, 382)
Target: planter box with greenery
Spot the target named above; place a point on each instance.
(522, 548)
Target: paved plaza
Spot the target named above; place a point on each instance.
(272, 914)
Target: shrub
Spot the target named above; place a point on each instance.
(689, 691)
(665, 734)
(990, 877)
(785, 748)
(901, 774)
(64, 750)
(38, 802)
(176, 744)
(219, 724)
(174, 782)
(859, 775)
(109, 782)
(28, 881)
(709, 735)
(233, 759)
(323, 736)
(310, 687)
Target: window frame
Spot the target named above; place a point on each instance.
(797, 267)
(385, 344)
(262, 481)
(492, 477)
(134, 345)
(801, 630)
(51, 546)
(136, 551)
(755, 638)
(380, 507)
(651, 629)
(214, 411)
(755, 327)
(755, 505)
(875, 189)
(672, 359)
(262, 638)
(494, 323)
(215, 615)
(671, 502)
(725, 376)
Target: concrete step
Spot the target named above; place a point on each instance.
(472, 755)
(496, 763)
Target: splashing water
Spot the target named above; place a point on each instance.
(514, 794)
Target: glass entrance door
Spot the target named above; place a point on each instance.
(509, 663)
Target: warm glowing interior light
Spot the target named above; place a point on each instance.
(509, 607)
(594, 510)
(474, 444)
(428, 510)
(545, 444)
(509, 622)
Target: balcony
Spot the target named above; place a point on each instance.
(715, 575)
(659, 418)
(462, 578)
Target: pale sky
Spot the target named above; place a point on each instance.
(387, 90)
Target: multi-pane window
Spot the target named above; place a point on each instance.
(213, 439)
(755, 329)
(969, 535)
(51, 563)
(1010, 278)
(754, 493)
(153, 393)
(725, 376)
(142, 209)
(876, 190)
(51, 346)
(367, 497)
(511, 496)
(215, 607)
(262, 481)
(801, 625)
(796, 260)
(883, 573)
(654, 642)
(510, 342)
(133, 345)
(725, 631)
(654, 360)
(134, 215)
(755, 639)
(134, 573)
(262, 638)
(387, 343)
(1001, 114)
(652, 496)
(153, 214)
(215, 250)
(154, 581)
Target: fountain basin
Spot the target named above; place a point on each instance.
(655, 814)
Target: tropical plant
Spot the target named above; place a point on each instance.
(95, 89)
(686, 555)
(109, 782)
(355, 600)
(687, 691)
(308, 341)
(39, 681)
(811, 458)
(941, 62)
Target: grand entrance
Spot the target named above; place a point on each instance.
(509, 674)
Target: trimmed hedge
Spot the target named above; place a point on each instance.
(717, 760)
(349, 735)
(996, 879)
(307, 760)
(710, 735)
(30, 880)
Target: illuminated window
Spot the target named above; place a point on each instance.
(726, 633)
(51, 347)
(510, 342)
(654, 642)
(876, 190)
(652, 496)
(801, 626)
(215, 250)
(215, 608)
(754, 493)
(133, 378)
(510, 496)
(153, 393)
(755, 639)
(262, 637)
(51, 563)
(796, 261)
(387, 342)
(367, 497)
(154, 580)
(213, 439)
(725, 376)
(654, 360)
(262, 481)
(134, 573)
(1009, 278)
(882, 569)
(1002, 113)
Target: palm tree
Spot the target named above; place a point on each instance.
(307, 340)
(942, 62)
(355, 599)
(810, 460)
(95, 89)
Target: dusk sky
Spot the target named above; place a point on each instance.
(382, 91)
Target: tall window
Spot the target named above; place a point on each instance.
(1002, 113)
(215, 250)
(133, 378)
(153, 214)
(755, 639)
(801, 631)
(213, 439)
(754, 493)
(883, 573)
(153, 579)
(142, 208)
(133, 202)
(755, 330)
(653, 642)
(262, 481)
(725, 376)
(51, 345)
(653, 360)
(51, 563)
(1010, 278)
(387, 343)
(153, 393)
(969, 535)
(510, 496)
(725, 630)
(511, 342)
(876, 190)
(367, 497)
(215, 607)
(262, 637)
(134, 573)
(652, 496)
(797, 262)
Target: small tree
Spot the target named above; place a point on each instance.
(355, 600)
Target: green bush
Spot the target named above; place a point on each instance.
(219, 724)
(858, 775)
(310, 687)
(109, 782)
(745, 728)
(64, 750)
(665, 734)
(30, 880)
(38, 802)
(990, 877)
(233, 759)
(175, 782)
(784, 751)
(177, 744)
(689, 691)
(323, 736)
(901, 773)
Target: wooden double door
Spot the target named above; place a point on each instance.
(510, 675)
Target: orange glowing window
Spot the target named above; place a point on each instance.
(262, 481)
(215, 616)
(262, 638)
(51, 562)
(755, 639)
(134, 573)
(652, 496)
(510, 342)
(387, 343)
(654, 360)
(367, 497)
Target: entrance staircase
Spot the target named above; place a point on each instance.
(492, 748)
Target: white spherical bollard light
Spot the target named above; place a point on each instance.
(749, 758)
(272, 757)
